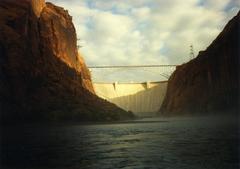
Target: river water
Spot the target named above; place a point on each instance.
(155, 143)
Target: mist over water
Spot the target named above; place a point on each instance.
(179, 143)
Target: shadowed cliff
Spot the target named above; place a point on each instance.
(210, 82)
(42, 76)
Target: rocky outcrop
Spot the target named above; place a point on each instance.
(210, 82)
(86, 75)
(58, 33)
(42, 77)
(37, 6)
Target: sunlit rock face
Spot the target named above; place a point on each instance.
(86, 75)
(37, 6)
(58, 33)
(59, 36)
(42, 77)
(210, 82)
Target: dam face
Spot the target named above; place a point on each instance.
(144, 99)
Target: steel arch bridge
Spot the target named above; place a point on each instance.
(163, 71)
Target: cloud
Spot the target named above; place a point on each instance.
(114, 32)
(215, 4)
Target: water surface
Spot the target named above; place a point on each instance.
(169, 143)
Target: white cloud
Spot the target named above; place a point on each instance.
(117, 32)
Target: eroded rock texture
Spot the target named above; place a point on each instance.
(210, 82)
(42, 77)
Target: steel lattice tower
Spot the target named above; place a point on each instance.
(191, 53)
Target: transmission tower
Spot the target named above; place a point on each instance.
(78, 46)
(191, 53)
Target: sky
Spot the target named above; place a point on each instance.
(131, 32)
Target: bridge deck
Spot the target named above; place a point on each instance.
(129, 66)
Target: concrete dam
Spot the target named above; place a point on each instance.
(144, 99)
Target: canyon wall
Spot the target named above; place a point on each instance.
(42, 76)
(209, 83)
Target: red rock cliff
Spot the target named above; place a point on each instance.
(210, 82)
(42, 77)
(58, 34)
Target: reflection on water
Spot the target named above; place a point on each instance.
(174, 143)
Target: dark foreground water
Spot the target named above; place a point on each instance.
(173, 143)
